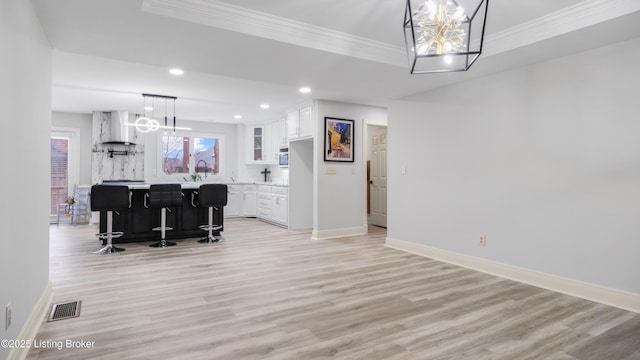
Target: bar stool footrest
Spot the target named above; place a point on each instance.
(210, 227)
(114, 235)
(159, 228)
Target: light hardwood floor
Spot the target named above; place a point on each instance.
(268, 293)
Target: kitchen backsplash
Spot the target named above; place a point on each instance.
(115, 161)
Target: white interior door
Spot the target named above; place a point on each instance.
(378, 178)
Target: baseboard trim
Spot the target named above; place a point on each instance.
(612, 297)
(338, 233)
(34, 321)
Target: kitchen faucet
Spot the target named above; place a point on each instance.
(205, 167)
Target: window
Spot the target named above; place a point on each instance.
(175, 155)
(59, 169)
(65, 164)
(192, 155)
(206, 152)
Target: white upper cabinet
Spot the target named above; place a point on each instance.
(264, 140)
(300, 123)
(278, 139)
(256, 143)
(279, 135)
(293, 117)
(259, 146)
(305, 122)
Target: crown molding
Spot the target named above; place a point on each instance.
(247, 21)
(579, 16)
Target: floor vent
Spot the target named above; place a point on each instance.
(65, 310)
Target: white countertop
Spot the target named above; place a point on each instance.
(195, 184)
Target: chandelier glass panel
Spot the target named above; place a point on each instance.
(444, 35)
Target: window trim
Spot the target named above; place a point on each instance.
(182, 176)
(72, 134)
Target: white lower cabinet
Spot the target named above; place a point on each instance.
(266, 202)
(264, 205)
(273, 204)
(280, 210)
(249, 200)
(233, 201)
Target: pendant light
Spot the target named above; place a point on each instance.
(145, 124)
(444, 35)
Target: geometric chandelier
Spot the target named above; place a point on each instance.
(444, 35)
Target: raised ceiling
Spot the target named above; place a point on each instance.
(239, 53)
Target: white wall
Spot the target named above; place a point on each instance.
(301, 206)
(543, 160)
(25, 100)
(339, 197)
(82, 122)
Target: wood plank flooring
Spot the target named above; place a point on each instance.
(268, 293)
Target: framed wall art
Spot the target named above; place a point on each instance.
(338, 139)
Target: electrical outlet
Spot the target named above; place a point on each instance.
(7, 319)
(483, 241)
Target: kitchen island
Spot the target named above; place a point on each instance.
(137, 221)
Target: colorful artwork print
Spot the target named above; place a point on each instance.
(338, 144)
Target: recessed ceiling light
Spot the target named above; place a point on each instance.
(237, 116)
(176, 71)
(148, 108)
(305, 90)
(264, 106)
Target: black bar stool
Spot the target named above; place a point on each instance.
(110, 198)
(164, 197)
(211, 196)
